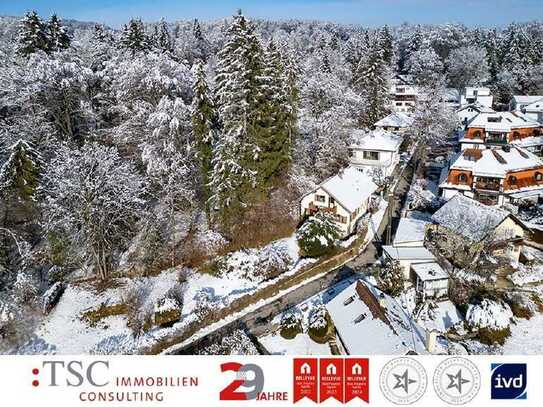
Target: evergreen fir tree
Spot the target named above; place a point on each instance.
(387, 44)
(58, 39)
(197, 30)
(19, 177)
(492, 54)
(204, 124)
(273, 126)
(237, 95)
(133, 37)
(32, 35)
(516, 52)
(372, 80)
(162, 39)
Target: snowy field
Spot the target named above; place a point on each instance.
(525, 337)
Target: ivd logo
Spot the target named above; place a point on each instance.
(508, 381)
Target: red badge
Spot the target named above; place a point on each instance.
(331, 379)
(305, 379)
(357, 379)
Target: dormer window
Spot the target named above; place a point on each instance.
(516, 135)
(477, 134)
(536, 132)
(513, 180)
(462, 178)
(538, 176)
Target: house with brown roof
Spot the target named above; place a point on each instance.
(493, 176)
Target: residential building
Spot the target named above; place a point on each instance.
(519, 102)
(396, 121)
(410, 233)
(430, 280)
(534, 111)
(480, 95)
(407, 256)
(500, 128)
(404, 93)
(467, 112)
(346, 196)
(368, 321)
(473, 222)
(376, 149)
(493, 176)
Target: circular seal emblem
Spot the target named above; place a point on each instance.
(457, 381)
(403, 381)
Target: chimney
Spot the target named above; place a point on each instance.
(431, 340)
(382, 300)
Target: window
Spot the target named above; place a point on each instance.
(477, 134)
(398, 103)
(332, 201)
(538, 176)
(463, 178)
(371, 155)
(320, 198)
(341, 219)
(512, 180)
(536, 132)
(516, 135)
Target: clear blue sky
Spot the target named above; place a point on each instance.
(366, 12)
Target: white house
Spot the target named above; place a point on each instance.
(404, 93)
(345, 195)
(410, 233)
(377, 149)
(480, 95)
(468, 112)
(519, 102)
(396, 121)
(407, 256)
(431, 281)
(534, 111)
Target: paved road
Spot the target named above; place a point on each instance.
(258, 322)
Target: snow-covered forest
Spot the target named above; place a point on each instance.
(166, 144)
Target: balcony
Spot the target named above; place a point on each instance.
(312, 208)
(488, 185)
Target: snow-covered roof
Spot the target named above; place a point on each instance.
(350, 188)
(395, 119)
(529, 141)
(495, 162)
(429, 271)
(481, 91)
(527, 99)
(469, 218)
(477, 106)
(404, 79)
(376, 140)
(451, 95)
(409, 231)
(534, 107)
(366, 327)
(502, 121)
(413, 254)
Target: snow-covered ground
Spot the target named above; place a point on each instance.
(302, 344)
(441, 318)
(525, 337)
(65, 331)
